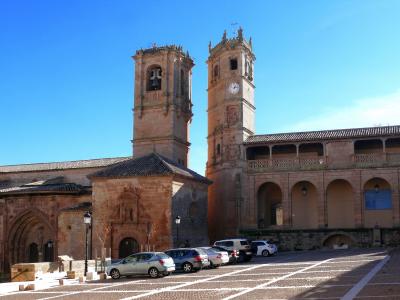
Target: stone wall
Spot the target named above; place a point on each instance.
(189, 201)
(289, 240)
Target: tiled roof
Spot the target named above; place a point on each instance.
(381, 131)
(48, 187)
(152, 164)
(77, 164)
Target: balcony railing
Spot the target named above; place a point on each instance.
(275, 164)
(376, 160)
(319, 163)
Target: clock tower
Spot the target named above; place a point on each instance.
(230, 121)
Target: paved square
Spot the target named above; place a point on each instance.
(344, 274)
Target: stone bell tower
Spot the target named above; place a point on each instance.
(230, 121)
(162, 104)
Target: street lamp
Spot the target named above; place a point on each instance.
(177, 222)
(87, 220)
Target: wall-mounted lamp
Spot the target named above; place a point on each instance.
(304, 191)
(376, 188)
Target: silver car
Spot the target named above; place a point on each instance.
(216, 257)
(155, 264)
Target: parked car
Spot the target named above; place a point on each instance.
(216, 257)
(264, 248)
(189, 259)
(154, 264)
(242, 245)
(232, 254)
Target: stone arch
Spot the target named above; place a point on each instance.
(304, 205)
(127, 246)
(340, 204)
(269, 205)
(378, 203)
(339, 239)
(153, 78)
(29, 228)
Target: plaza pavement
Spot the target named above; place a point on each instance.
(368, 274)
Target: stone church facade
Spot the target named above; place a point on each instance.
(304, 189)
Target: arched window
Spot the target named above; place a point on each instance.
(154, 76)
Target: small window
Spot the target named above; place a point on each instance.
(244, 243)
(218, 149)
(234, 64)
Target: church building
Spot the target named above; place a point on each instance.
(134, 201)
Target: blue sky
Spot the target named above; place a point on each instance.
(66, 73)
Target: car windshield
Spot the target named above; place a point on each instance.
(162, 255)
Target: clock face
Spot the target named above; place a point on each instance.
(234, 88)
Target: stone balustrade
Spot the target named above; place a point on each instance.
(318, 163)
(296, 163)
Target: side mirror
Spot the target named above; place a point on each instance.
(123, 261)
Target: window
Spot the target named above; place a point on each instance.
(234, 63)
(154, 75)
(248, 70)
(377, 200)
(244, 243)
(218, 149)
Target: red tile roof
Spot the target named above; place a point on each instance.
(337, 134)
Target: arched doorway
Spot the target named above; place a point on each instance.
(378, 207)
(340, 204)
(270, 211)
(27, 237)
(128, 246)
(304, 205)
(33, 253)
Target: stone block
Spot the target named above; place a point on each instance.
(89, 276)
(22, 272)
(81, 279)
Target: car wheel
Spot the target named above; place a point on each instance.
(265, 253)
(153, 273)
(187, 267)
(115, 274)
(166, 273)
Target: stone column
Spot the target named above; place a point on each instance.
(396, 202)
(286, 203)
